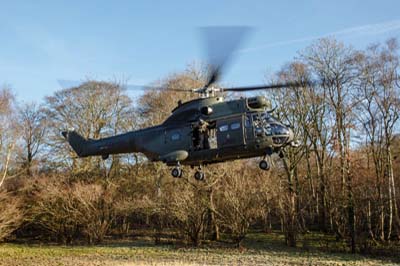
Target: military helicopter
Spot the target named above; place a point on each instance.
(205, 130)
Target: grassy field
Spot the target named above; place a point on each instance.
(259, 250)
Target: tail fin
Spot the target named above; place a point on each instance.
(78, 143)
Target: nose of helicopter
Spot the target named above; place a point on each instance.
(291, 135)
(281, 134)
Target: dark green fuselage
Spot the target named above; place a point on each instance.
(240, 129)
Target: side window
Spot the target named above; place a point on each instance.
(235, 126)
(268, 131)
(247, 121)
(175, 136)
(223, 128)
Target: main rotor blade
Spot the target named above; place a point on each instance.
(268, 87)
(220, 42)
(68, 84)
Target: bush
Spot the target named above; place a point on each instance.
(240, 204)
(72, 211)
(11, 215)
(188, 205)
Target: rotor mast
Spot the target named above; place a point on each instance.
(206, 92)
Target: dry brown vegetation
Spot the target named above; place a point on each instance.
(343, 181)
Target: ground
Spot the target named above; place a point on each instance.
(257, 251)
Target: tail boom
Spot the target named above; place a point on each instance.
(83, 147)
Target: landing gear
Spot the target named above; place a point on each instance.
(199, 174)
(177, 171)
(264, 165)
(265, 162)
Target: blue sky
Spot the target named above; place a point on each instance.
(142, 41)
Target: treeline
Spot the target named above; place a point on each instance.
(342, 180)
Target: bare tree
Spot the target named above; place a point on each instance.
(294, 110)
(379, 89)
(95, 109)
(156, 105)
(11, 213)
(188, 206)
(241, 200)
(8, 132)
(334, 65)
(69, 211)
(32, 125)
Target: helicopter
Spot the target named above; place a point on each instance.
(208, 129)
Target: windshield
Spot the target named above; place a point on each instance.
(269, 124)
(263, 118)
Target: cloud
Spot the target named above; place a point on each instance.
(364, 30)
(369, 29)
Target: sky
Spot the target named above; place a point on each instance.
(142, 41)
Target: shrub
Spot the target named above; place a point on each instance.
(11, 215)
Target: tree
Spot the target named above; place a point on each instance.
(68, 210)
(189, 207)
(241, 199)
(32, 125)
(11, 213)
(156, 105)
(334, 65)
(293, 109)
(379, 90)
(8, 132)
(95, 110)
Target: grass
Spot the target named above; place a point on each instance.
(266, 249)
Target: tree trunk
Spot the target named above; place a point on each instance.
(291, 223)
(393, 191)
(214, 225)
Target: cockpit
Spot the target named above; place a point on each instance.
(266, 126)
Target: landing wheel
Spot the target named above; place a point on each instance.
(199, 175)
(264, 165)
(176, 172)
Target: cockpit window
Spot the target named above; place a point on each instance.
(235, 126)
(278, 129)
(176, 136)
(247, 121)
(223, 128)
(268, 131)
(270, 119)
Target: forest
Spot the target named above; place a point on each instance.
(342, 182)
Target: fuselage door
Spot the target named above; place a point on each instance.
(248, 129)
(230, 132)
